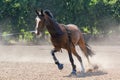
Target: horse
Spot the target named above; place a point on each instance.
(63, 37)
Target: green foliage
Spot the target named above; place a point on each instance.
(86, 30)
(95, 31)
(25, 36)
(46, 32)
(5, 37)
(20, 14)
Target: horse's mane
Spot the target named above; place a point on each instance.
(56, 24)
(48, 12)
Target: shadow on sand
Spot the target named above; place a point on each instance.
(87, 74)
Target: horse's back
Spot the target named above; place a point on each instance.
(75, 32)
(73, 27)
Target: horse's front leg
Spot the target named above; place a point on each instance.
(60, 66)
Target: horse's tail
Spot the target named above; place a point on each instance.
(89, 50)
(85, 47)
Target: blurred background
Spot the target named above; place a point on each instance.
(97, 19)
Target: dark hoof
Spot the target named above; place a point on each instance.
(73, 74)
(60, 66)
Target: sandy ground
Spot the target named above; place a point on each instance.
(36, 63)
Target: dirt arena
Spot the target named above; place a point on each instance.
(36, 63)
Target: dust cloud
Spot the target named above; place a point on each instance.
(19, 53)
(107, 52)
(106, 57)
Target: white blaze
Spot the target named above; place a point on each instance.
(37, 23)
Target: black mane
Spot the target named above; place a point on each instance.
(58, 31)
(48, 13)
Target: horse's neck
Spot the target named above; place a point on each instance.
(54, 28)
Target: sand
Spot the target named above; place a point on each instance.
(36, 63)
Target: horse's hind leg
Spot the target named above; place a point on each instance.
(72, 63)
(82, 46)
(79, 58)
(60, 66)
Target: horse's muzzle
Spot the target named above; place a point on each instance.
(37, 32)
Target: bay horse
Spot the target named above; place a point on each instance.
(63, 36)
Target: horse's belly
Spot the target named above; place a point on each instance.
(59, 43)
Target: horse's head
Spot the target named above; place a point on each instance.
(41, 20)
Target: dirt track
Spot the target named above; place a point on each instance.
(36, 63)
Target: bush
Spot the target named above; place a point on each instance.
(25, 36)
(5, 38)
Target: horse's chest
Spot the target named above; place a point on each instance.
(58, 42)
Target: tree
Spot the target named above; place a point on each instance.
(93, 14)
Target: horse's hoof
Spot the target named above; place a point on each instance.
(60, 66)
(73, 74)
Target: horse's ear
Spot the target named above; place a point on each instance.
(37, 12)
(42, 12)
